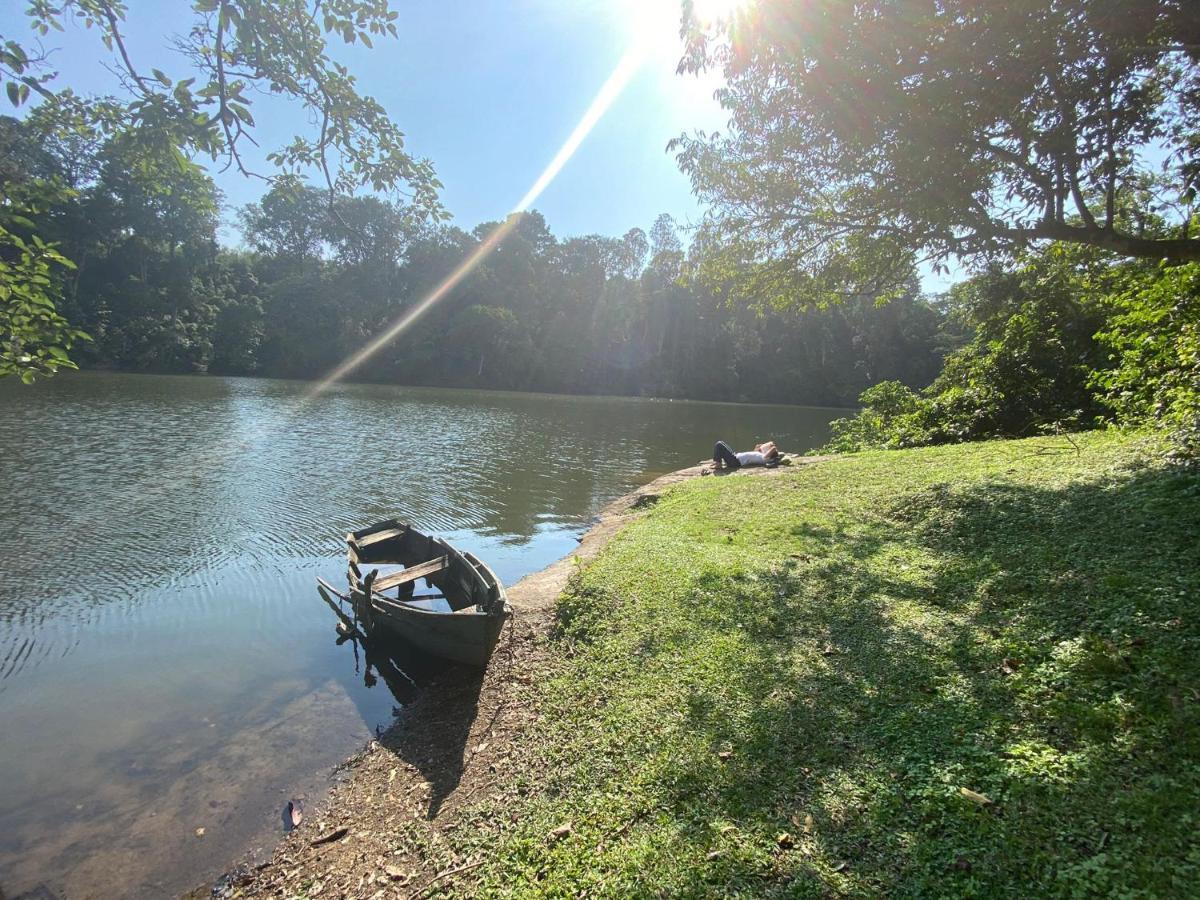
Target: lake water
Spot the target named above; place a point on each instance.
(165, 663)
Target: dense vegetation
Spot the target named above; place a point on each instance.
(1067, 339)
(953, 671)
(324, 274)
(1056, 146)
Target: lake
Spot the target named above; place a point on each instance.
(166, 665)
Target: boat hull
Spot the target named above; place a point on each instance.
(467, 638)
(477, 606)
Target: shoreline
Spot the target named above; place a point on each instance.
(650, 398)
(450, 741)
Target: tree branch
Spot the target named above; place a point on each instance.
(1178, 250)
(115, 31)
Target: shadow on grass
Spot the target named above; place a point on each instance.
(1030, 645)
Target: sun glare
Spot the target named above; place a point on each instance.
(655, 23)
(654, 36)
(710, 12)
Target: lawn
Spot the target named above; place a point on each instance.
(967, 671)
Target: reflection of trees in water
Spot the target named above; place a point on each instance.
(128, 482)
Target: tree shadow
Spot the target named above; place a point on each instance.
(1027, 644)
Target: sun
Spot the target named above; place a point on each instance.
(654, 24)
(713, 12)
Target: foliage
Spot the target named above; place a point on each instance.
(1064, 341)
(34, 337)
(233, 50)
(133, 158)
(892, 416)
(863, 133)
(1028, 366)
(1155, 335)
(955, 671)
(326, 274)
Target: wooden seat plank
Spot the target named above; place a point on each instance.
(368, 539)
(412, 573)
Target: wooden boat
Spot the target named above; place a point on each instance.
(459, 620)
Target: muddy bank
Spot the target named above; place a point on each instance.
(382, 829)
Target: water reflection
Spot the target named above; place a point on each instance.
(164, 663)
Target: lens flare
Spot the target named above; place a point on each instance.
(608, 93)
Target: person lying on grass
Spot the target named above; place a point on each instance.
(762, 455)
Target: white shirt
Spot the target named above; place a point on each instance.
(752, 458)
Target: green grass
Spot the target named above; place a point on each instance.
(781, 686)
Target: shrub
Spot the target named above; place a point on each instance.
(1154, 334)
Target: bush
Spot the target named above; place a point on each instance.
(1154, 334)
(1027, 368)
(892, 417)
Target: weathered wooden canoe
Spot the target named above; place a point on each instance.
(459, 620)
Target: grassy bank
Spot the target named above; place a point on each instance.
(966, 670)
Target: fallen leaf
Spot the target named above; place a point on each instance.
(975, 797)
(714, 854)
(839, 867)
(560, 832)
(481, 747)
(293, 814)
(784, 840)
(725, 754)
(1010, 665)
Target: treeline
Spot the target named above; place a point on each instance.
(322, 276)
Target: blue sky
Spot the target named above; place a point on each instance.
(488, 90)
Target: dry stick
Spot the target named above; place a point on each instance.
(441, 875)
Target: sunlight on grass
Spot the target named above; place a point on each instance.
(964, 670)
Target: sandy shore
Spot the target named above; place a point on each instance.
(380, 831)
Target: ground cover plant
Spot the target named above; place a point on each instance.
(963, 670)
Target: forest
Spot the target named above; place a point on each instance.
(318, 276)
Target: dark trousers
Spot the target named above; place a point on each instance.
(723, 454)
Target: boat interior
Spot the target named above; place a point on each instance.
(400, 557)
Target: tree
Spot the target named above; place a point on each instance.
(34, 337)
(666, 250)
(233, 50)
(631, 253)
(864, 133)
(288, 223)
